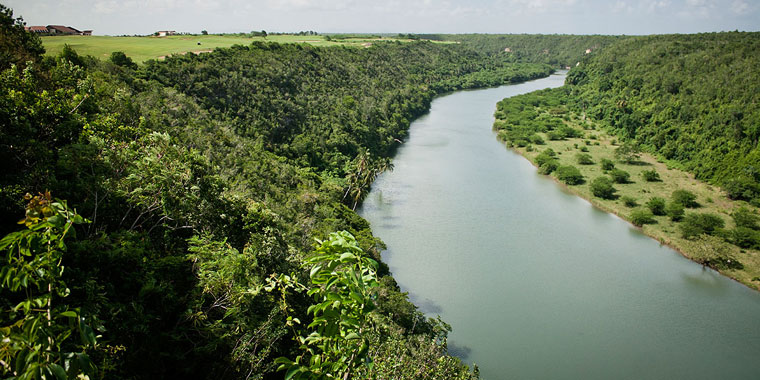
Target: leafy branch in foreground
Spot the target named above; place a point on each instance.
(34, 329)
(343, 278)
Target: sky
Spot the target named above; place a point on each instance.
(117, 17)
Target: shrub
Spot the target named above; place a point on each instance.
(538, 140)
(745, 237)
(607, 164)
(686, 198)
(602, 188)
(744, 217)
(650, 175)
(584, 149)
(674, 211)
(620, 176)
(657, 206)
(742, 187)
(548, 167)
(629, 201)
(121, 59)
(629, 152)
(547, 155)
(714, 252)
(641, 216)
(584, 159)
(698, 224)
(569, 175)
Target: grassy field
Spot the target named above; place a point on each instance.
(711, 199)
(141, 49)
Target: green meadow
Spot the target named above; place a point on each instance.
(141, 49)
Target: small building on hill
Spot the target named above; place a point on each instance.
(63, 30)
(57, 30)
(37, 29)
(164, 33)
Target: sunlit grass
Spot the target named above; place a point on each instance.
(141, 49)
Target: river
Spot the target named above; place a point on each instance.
(537, 283)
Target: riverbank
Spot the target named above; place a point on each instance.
(633, 198)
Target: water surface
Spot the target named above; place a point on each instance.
(536, 283)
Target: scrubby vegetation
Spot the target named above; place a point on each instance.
(555, 50)
(655, 108)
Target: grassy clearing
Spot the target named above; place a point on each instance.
(711, 199)
(141, 49)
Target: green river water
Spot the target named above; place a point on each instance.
(537, 283)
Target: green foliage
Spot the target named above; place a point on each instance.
(745, 237)
(546, 155)
(343, 279)
(697, 224)
(641, 216)
(607, 164)
(36, 322)
(120, 59)
(620, 176)
(629, 201)
(602, 187)
(207, 178)
(687, 98)
(570, 175)
(68, 54)
(556, 50)
(657, 206)
(548, 166)
(650, 175)
(629, 152)
(584, 159)
(745, 217)
(685, 198)
(364, 170)
(712, 251)
(743, 187)
(674, 210)
(17, 46)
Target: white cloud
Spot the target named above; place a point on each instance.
(622, 7)
(698, 9)
(310, 5)
(739, 7)
(657, 5)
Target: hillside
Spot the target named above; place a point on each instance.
(557, 50)
(690, 99)
(646, 129)
(204, 181)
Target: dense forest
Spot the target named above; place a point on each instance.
(557, 50)
(170, 210)
(691, 99)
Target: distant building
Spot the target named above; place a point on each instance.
(57, 30)
(63, 30)
(164, 33)
(37, 29)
